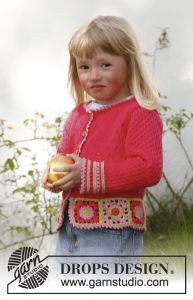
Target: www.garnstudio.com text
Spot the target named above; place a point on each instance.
(133, 282)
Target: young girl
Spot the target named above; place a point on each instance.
(115, 139)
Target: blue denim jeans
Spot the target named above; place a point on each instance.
(111, 242)
(108, 246)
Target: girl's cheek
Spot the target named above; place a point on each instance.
(83, 82)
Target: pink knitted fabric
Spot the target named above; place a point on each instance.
(121, 147)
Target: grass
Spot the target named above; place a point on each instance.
(170, 237)
(169, 233)
(174, 242)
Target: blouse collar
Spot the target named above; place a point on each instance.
(105, 106)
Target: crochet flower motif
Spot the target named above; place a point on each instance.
(86, 211)
(137, 212)
(115, 210)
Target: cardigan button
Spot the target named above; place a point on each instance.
(84, 133)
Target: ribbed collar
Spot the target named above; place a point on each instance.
(107, 106)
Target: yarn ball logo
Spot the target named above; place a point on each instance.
(28, 269)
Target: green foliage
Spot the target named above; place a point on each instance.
(170, 220)
(177, 122)
(27, 211)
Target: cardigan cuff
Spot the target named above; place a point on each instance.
(92, 177)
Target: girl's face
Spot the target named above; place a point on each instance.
(104, 77)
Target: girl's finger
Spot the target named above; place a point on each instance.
(68, 186)
(45, 176)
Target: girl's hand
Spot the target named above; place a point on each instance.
(73, 178)
(47, 185)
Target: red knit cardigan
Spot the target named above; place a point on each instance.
(121, 147)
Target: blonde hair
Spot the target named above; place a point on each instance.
(115, 36)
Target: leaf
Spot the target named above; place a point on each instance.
(147, 54)
(29, 202)
(58, 120)
(35, 208)
(51, 210)
(26, 149)
(30, 172)
(9, 143)
(23, 229)
(19, 229)
(165, 107)
(18, 152)
(26, 122)
(10, 164)
(18, 190)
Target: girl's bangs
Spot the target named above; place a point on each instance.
(87, 44)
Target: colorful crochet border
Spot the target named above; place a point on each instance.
(107, 213)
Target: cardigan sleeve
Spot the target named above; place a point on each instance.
(142, 165)
(64, 144)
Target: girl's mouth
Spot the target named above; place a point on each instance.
(97, 86)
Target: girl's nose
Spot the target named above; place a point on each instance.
(95, 74)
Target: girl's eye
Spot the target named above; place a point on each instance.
(83, 67)
(105, 65)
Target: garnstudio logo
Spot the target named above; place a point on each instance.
(28, 268)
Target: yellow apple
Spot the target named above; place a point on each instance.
(58, 161)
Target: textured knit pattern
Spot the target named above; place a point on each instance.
(122, 149)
